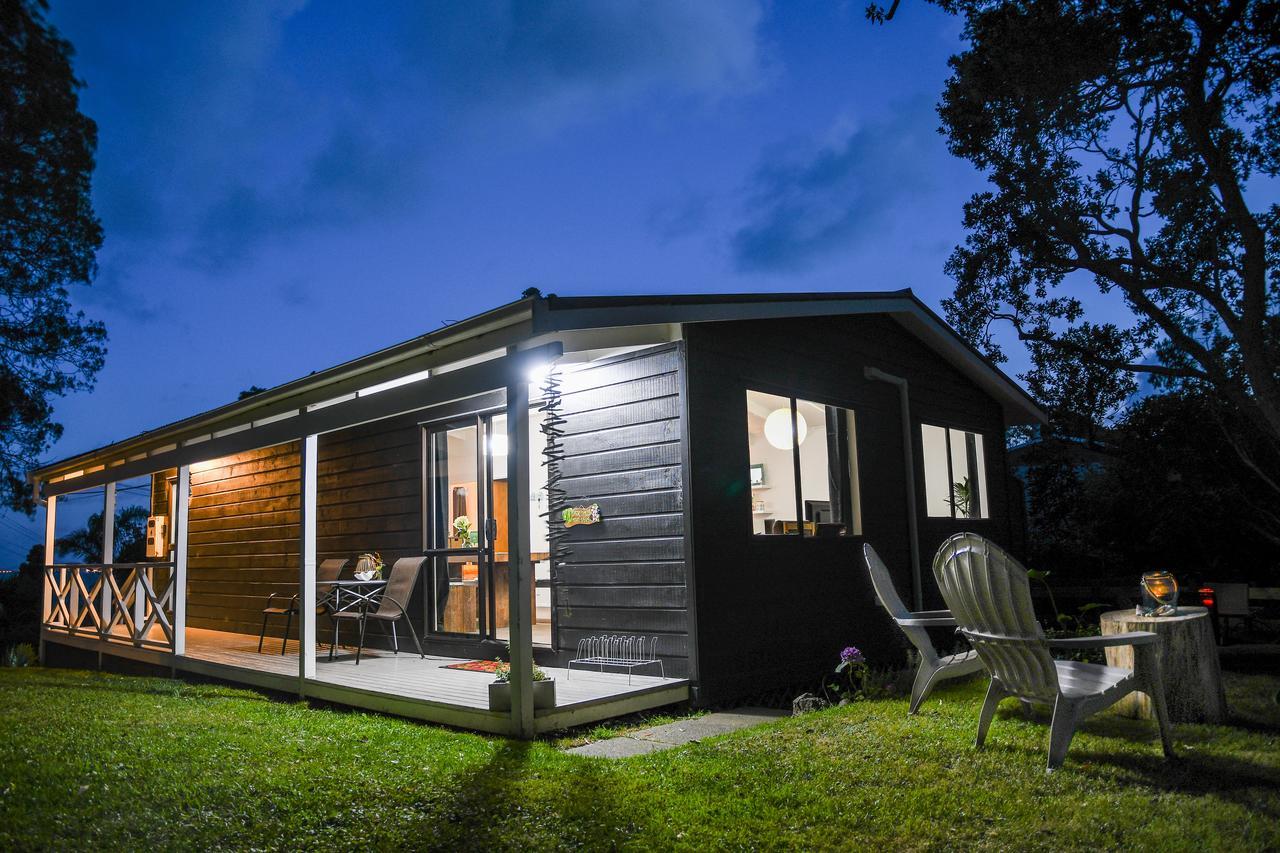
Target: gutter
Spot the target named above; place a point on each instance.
(908, 458)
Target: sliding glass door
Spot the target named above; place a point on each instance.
(466, 526)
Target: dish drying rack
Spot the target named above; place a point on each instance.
(624, 652)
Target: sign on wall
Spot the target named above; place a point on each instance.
(576, 515)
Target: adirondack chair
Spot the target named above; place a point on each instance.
(990, 596)
(933, 667)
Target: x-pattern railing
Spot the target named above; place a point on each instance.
(92, 598)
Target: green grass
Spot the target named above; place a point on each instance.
(92, 761)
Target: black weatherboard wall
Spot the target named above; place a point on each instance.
(774, 610)
(623, 451)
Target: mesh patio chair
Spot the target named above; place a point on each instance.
(326, 573)
(990, 597)
(934, 668)
(392, 606)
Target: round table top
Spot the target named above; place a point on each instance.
(1129, 616)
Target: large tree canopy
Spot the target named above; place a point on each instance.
(1132, 148)
(48, 240)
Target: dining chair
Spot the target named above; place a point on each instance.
(392, 605)
(326, 573)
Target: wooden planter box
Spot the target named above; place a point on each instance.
(544, 695)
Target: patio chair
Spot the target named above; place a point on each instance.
(990, 596)
(1231, 601)
(326, 572)
(934, 668)
(392, 606)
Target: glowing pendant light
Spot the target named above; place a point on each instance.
(777, 428)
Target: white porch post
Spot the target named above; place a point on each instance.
(307, 574)
(520, 584)
(108, 549)
(50, 522)
(182, 499)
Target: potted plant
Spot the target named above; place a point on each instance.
(464, 535)
(369, 566)
(544, 689)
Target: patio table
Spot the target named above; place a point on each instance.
(351, 594)
(1188, 661)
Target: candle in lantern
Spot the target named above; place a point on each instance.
(1159, 594)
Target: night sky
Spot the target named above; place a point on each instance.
(286, 185)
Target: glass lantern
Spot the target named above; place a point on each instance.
(1159, 594)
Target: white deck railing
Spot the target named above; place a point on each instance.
(115, 602)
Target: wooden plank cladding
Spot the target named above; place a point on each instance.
(243, 526)
(627, 574)
(244, 522)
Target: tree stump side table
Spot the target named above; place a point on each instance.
(1188, 664)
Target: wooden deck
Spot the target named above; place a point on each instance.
(401, 684)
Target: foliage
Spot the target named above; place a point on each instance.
(130, 537)
(961, 499)
(23, 654)
(48, 239)
(502, 673)
(853, 669)
(1082, 623)
(1128, 145)
(251, 391)
(1163, 489)
(140, 761)
(20, 599)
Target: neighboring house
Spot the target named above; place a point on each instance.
(673, 423)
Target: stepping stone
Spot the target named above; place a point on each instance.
(678, 733)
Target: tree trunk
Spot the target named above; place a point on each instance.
(1188, 662)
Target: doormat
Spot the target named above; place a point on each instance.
(475, 665)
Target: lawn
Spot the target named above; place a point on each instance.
(93, 760)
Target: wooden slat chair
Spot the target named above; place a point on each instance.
(392, 606)
(934, 668)
(990, 597)
(326, 573)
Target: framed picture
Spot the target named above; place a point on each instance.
(757, 474)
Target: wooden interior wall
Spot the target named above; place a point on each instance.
(626, 574)
(775, 611)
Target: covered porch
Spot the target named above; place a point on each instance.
(254, 508)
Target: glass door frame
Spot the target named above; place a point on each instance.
(437, 522)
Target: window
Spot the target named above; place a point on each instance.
(803, 467)
(955, 473)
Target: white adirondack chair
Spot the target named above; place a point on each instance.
(933, 667)
(990, 596)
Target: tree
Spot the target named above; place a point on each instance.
(1127, 143)
(48, 240)
(130, 537)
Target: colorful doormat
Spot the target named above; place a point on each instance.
(475, 665)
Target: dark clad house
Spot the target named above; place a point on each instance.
(697, 471)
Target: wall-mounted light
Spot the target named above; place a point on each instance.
(777, 428)
(498, 444)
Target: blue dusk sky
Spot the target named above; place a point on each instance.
(287, 185)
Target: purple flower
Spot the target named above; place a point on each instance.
(851, 655)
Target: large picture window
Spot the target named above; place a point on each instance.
(955, 473)
(804, 469)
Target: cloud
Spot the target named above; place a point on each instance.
(556, 61)
(679, 217)
(808, 201)
(355, 176)
(230, 126)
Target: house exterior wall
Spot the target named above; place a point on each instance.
(773, 611)
(623, 450)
